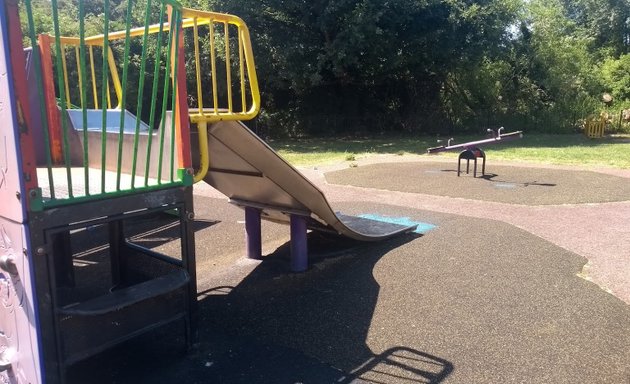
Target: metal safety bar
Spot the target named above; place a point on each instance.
(226, 85)
(226, 81)
(71, 56)
(207, 29)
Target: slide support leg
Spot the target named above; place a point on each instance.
(299, 255)
(252, 233)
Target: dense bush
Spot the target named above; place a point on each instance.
(434, 66)
(423, 66)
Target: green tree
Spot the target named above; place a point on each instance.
(616, 77)
(545, 78)
(607, 21)
(348, 65)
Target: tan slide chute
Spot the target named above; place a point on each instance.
(251, 173)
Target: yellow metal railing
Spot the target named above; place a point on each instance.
(226, 85)
(70, 48)
(206, 110)
(227, 39)
(220, 32)
(97, 41)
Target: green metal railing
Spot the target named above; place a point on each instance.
(104, 134)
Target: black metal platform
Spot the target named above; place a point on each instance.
(98, 286)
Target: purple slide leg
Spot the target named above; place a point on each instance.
(299, 256)
(252, 233)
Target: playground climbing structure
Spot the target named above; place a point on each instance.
(101, 132)
(97, 137)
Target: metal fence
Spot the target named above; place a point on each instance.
(92, 145)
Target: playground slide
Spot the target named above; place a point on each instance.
(95, 146)
(248, 171)
(252, 174)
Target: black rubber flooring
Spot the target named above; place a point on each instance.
(506, 184)
(472, 301)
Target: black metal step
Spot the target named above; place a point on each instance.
(128, 296)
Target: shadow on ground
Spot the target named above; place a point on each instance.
(472, 301)
(278, 327)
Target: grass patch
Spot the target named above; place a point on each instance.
(314, 151)
(611, 151)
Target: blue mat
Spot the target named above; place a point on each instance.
(421, 228)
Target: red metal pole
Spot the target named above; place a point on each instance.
(20, 84)
(52, 113)
(182, 124)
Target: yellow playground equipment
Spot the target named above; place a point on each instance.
(593, 128)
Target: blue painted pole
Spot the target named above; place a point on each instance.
(299, 255)
(253, 233)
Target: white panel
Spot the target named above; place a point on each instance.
(19, 347)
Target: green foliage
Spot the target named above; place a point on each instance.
(607, 21)
(347, 67)
(616, 77)
(562, 64)
(69, 16)
(93, 17)
(544, 79)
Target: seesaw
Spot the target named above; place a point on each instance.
(473, 152)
